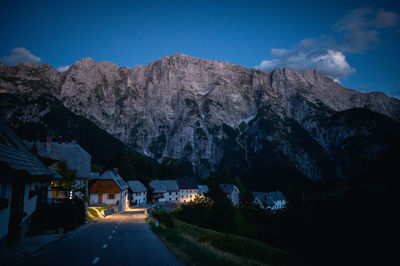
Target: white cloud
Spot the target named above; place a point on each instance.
(20, 54)
(329, 62)
(354, 33)
(63, 68)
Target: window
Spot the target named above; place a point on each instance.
(111, 196)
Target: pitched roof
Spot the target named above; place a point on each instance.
(276, 195)
(136, 186)
(14, 154)
(162, 186)
(263, 197)
(75, 156)
(269, 198)
(187, 183)
(113, 175)
(227, 188)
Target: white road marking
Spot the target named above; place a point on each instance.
(109, 237)
(105, 245)
(95, 260)
(113, 231)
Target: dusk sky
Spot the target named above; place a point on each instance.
(354, 42)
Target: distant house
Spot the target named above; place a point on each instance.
(270, 200)
(232, 192)
(165, 190)
(23, 184)
(73, 154)
(188, 189)
(203, 189)
(108, 188)
(137, 192)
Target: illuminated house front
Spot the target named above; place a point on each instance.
(188, 189)
(109, 189)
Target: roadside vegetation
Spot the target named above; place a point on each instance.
(200, 246)
(95, 213)
(332, 223)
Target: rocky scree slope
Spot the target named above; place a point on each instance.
(212, 113)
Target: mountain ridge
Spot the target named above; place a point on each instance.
(204, 111)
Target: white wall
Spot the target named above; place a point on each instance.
(187, 195)
(140, 198)
(93, 198)
(111, 201)
(171, 196)
(30, 203)
(234, 197)
(5, 192)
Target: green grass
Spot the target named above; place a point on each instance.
(236, 245)
(105, 207)
(200, 246)
(93, 212)
(191, 252)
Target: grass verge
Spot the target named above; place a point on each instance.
(200, 246)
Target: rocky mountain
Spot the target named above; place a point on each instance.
(283, 126)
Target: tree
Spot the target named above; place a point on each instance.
(69, 183)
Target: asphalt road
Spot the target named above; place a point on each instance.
(118, 239)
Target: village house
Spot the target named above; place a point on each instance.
(165, 190)
(270, 200)
(137, 193)
(76, 158)
(108, 188)
(23, 183)
(232, 192)
(188, 189)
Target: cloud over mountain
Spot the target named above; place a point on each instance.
(354, 33)
(20, 54)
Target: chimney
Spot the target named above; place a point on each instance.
(48, 145)
(115, 171)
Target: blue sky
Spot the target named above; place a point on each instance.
(356, 42)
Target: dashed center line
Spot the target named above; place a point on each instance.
(109, 237)
(113, 231)
(105, 245)
(95, 260)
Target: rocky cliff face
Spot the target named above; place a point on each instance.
(204, 111)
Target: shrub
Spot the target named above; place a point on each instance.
(164, 218)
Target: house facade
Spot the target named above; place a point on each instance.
(232, 192)
(270, 200)
(23, 182)
(137, 193)
(165, 190)
(108, 188)
(76, 158)
(188, 189)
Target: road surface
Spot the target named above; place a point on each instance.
(119, 239)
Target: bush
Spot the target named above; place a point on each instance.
(164, 218)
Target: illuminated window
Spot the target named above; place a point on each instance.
(111, 196)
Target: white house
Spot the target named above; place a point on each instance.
(23, 183)
(109, 188)
(232, 192)
(270, 200)
(137, 193)
(188, 189)
(165, 190)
